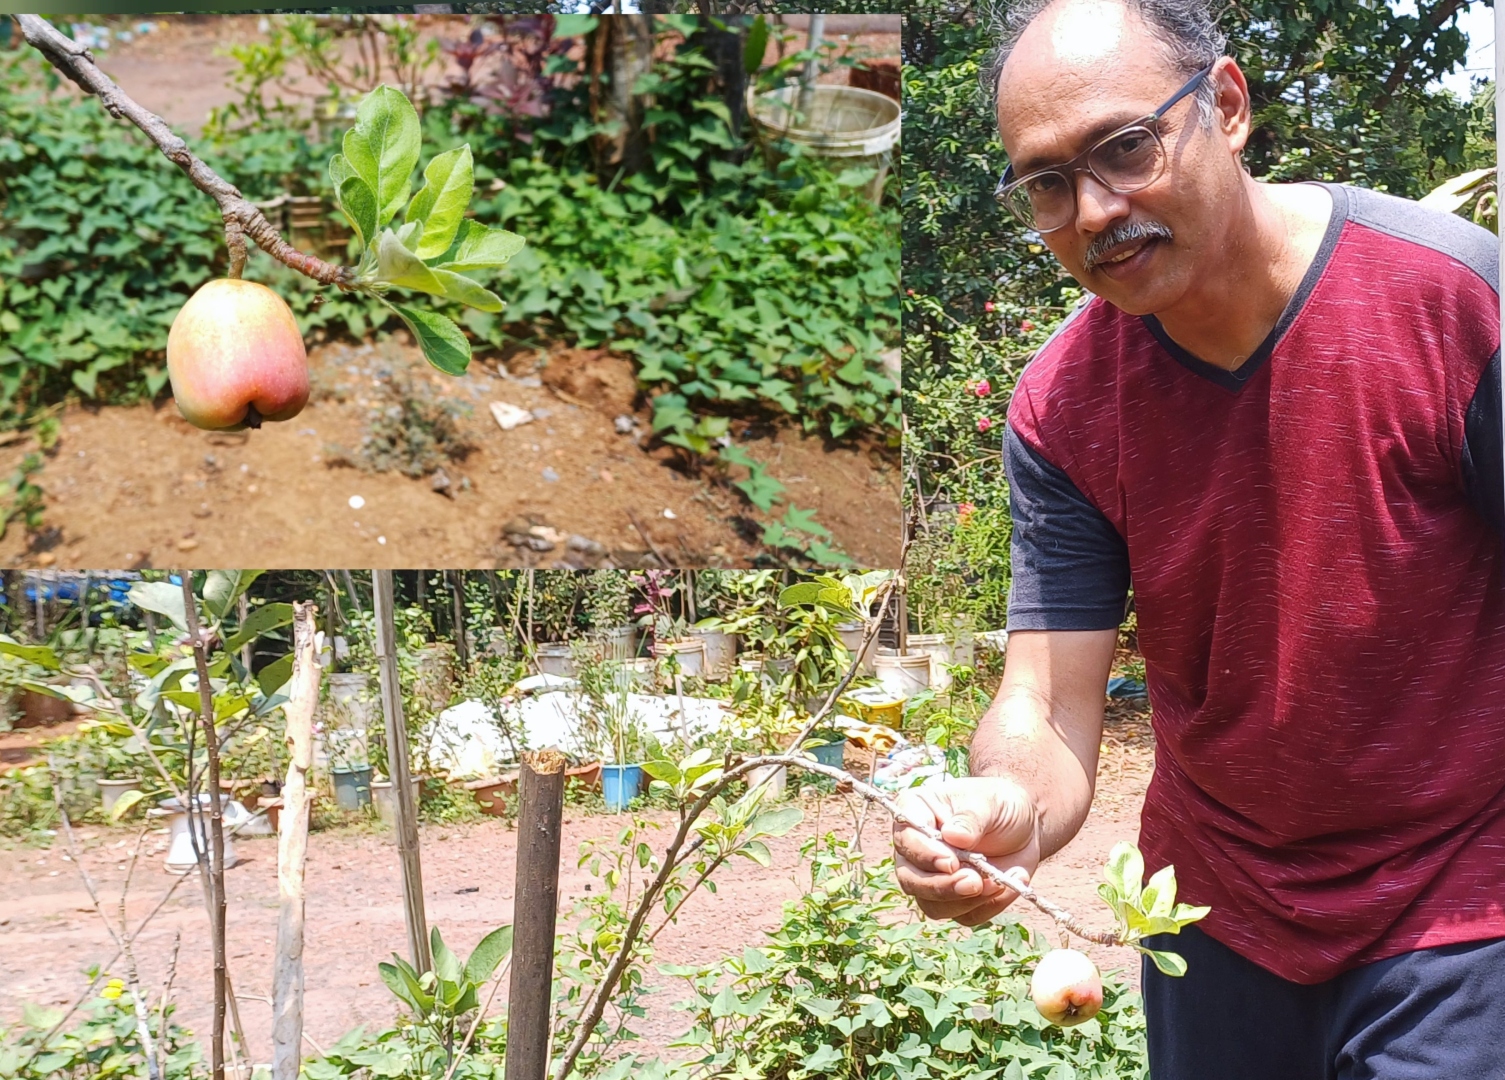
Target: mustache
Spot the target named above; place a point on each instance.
(1126, 233)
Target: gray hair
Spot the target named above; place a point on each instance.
(1186, 30)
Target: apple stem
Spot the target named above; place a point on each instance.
(76, 62)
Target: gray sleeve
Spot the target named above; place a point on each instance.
(1070, 566)
(1483, 454)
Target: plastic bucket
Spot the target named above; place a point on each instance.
(619, 785)
(690, 655)
(938, 648)
(720, 651)
(554, 658)
(352, 787)
(851, 127)
(832, 753)
(902, 676)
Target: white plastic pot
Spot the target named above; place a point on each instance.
(180, 853)
(720, 651)
(851, 636)
(940, 652)
(854, 128)
(553, 658)
(905, 675)
(690, 654)
(772, 777)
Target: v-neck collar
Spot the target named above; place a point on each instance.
(1236, 380)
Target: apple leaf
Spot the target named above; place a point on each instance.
(275, 675)
(488, 953)
(223, 587)
(1125, 871)
(467, 292)
(258, 622)
(358, 204)
(478, 247)
(443, 343)
(382, 148)
(1172, 964)
(396, 265)
(440, 204)
(41, 655)
(162, 597)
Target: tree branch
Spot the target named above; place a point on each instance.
(1431, 22)
(242, 218)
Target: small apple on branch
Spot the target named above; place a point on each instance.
(1066, 986)
(235, 356)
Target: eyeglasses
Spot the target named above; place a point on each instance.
(1128, 160)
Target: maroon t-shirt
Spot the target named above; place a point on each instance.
(1317, 566)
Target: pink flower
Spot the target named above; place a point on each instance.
(983, 423)
(987, 305)
(964, 511)
(984, 388)
(1026, 326)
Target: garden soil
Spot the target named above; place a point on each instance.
(49, 932)
(138, 486)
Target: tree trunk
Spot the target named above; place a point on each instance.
(292, 846)
(723, 45)
(623, 53)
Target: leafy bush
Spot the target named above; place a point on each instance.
(844, 989)
(105, 1045)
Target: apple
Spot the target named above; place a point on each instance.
(1066, 987)
(235, 357)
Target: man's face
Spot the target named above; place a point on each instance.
(1081, 70)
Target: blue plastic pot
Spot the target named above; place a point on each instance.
(829, 753)
(620, 784)
(352, 787)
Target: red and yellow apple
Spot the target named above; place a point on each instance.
(1066, 987)
(235, 357)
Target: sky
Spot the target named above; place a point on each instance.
(1478, 22)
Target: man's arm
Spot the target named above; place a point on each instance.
(1044, 727)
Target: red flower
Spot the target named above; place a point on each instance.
(987, 305)
(1026, 326)
(983, 423)
(964, 511)
(909, 291)
(984, 388)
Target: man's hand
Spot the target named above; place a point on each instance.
(985, 814)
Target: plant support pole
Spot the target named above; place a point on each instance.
(292, 846)
(216, 822)
(812, 68)
(535, 903)
(397, 769)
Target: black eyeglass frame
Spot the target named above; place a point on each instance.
(1080, 163)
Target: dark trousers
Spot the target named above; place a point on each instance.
(1434, 1014)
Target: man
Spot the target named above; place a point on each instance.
(1280, 417)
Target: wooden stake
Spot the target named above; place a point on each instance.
(534, 906)
(397, 769)
(292, 846)
(216, 823)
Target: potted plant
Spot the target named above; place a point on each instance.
(614, 727)
(671, 641)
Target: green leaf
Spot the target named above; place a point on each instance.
(123, 804)
(666, 771)
(1125, 870)
(275, 675)
(757, 45)
(467, 292)
(402, 980)
(339, 171)
(1170, 963)
(488, 953)
(440, 204)
(162, 597)
(478, 247)
(258, 622)
(396, 265)
(223, 587)
(446, 964)
(1159, 895)
(382, 148)
(40, 655)
(573, 25)
(443, 343)
(358, 204)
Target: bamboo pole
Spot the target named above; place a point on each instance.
(397, 770)
(216, 824)
(535, 904)
(292, 847)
